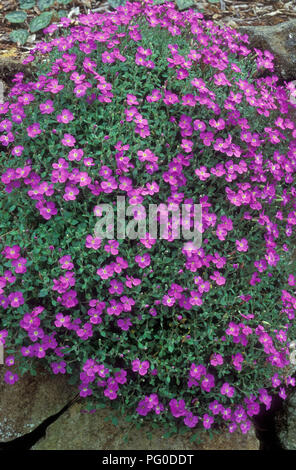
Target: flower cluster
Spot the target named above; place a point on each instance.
(159, 107)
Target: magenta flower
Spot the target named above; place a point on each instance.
(48, 211)
(112, 247)
(190, 420)
(227, 390)
(19, 265)
(53, 86)
(68, 140)
(85, 391)
(11, 252)
(207, 421)
(143, 260)
(216, 360)
(34, 130)
(208, 382)
(124, 324)
(242, 245)
(70, 193)
(10, 378)
(143, 408)
(75, 155)
(16, 299)
(120, 376)
(3, 335)
(59, 367)
(177, 407)
(62, 320)
(9, 361)
(65, 117)
(47, 107)
(127, 303)
(116, 287)
(141, 367)
(66, 262)
(69, 299)
(115, 308)
(93, 242)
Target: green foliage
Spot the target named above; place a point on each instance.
(45, 4)
(40, 22)
(19, 36)
(16, 17)
(27, 4)
(235, 316)
(184, 4)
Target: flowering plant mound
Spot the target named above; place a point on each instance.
(159, 107)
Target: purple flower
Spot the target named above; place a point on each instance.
(124, 324)
(143, 260)
(143, 408)
(141, 367)
(227, 390)
(177, 407)
(110, 393)
(207, 421)
(120, 376)
(9, 361)
(10, 378)
(242, 245)
(16, 299)
(190, 420)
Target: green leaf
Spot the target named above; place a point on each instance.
(43, 293)
(41, 21)
(72, 380)
(116, 3)
(27, 4)
(64, 2)
(20, 36)
(114, 420)
(62, 13)
(44, 4)
(16, 16)
(183, 4)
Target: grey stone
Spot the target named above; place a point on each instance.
(24, 405)
(75, 430)
(285, 423)
(280, 40)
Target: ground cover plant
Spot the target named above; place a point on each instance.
(160, 107)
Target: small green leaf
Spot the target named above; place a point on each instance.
(43, 293)
(116, 3)
(184, 4)
(44, 4)
(41, 21)
(62, 13)
(16, 16)
(27, 4)
(20, 36)
(114, 420)
(64, 2)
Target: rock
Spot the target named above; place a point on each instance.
(24, 405)
(280, 40)
(75, 430)
(285, 423)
